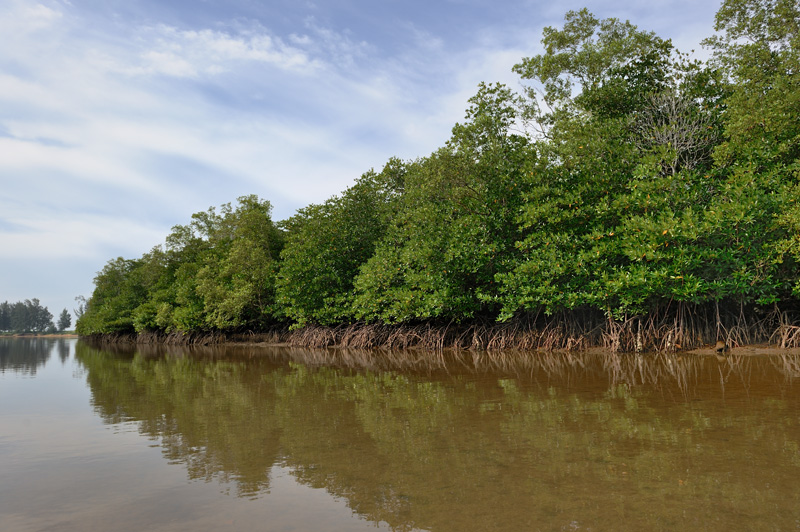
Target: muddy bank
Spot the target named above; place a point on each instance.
(633, 335)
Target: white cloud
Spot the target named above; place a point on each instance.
(170, 64)
(189, 53)
(27, 157)
(52, 236)
(336, 47)
(38, 16)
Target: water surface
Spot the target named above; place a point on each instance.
(282, 439)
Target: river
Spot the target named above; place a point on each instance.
(279, 439)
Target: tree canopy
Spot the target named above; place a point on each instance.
(25, 316)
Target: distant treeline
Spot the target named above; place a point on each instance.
(31, 316)
(632, 196)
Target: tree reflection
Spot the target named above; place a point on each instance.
(475, 441)
(62, 346)
(208, 415)
(24, 355)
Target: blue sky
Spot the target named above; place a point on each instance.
(120, 118)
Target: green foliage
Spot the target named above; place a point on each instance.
(237, 279)
(613, 63)
(760, 50)
(628, 210)
(456, 228)
(760, 154)
(5, 316)
(118, 291)
(327, 244)
(64, 320)
(217, 273)
(25, 316)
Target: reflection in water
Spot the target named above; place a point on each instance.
(208, 413)
(62, 346)
(25, 355)
(478, 441)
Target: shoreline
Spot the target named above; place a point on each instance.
(40, 335)
(297, 339)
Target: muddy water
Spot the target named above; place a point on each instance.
(276, 439)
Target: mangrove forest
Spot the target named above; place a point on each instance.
(630, 196)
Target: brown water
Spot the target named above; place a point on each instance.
(297, 440)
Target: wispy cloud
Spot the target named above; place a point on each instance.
(73, 236)
(192, 53)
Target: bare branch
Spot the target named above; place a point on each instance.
(674, 122)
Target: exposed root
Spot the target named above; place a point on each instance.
(667, 329)
(183, 338)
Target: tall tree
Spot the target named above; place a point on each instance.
(5, 316)
(29, 316)
(605, 67)
(64, 320)
(237, 279)
(759, 46)
(625, 142)
(81, 306)
(216, 273)
(456, 226)
(328, 243)
(116, 295)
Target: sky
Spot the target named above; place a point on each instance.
(121, 118)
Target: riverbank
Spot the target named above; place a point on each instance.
(634, 335)
(39, 335)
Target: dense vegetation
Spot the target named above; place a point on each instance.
(631, 188)
(30, 316)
